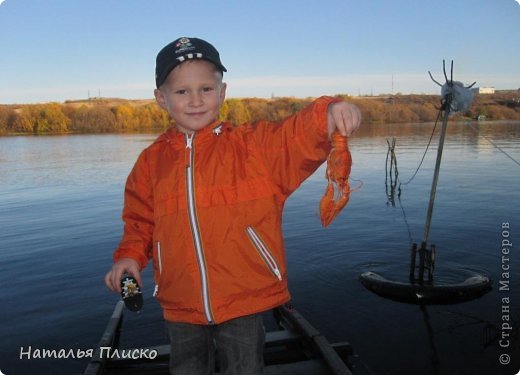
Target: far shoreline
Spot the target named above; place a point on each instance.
(115, 115)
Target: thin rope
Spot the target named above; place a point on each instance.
(495, 145)
(425, 151)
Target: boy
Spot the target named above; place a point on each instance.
(205, 202)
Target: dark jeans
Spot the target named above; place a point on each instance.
(239, 344)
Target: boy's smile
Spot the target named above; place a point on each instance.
(192, 94)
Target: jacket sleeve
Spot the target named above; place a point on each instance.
(296, 147)
(137, 215)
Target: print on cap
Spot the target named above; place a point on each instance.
(183, 45)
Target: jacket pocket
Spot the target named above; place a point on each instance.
(159, 269)
(264, 252)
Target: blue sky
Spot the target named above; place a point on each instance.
(54, 50)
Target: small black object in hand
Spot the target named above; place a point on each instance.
(131, 293)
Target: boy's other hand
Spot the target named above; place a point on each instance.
(123, 265)
(343, 116)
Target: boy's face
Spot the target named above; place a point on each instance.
(192, 94)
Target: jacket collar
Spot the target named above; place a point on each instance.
(174, 136)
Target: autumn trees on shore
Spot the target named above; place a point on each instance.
(116, 115)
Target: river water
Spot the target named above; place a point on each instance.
(60, 206)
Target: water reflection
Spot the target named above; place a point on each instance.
(68, 159)
(60, 206)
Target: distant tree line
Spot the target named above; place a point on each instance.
(85, 118)
(425, 108)
(109, 116)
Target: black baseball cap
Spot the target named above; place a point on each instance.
(183, 49)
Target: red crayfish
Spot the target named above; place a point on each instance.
(337, 194)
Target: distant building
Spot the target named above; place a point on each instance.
(484, 90)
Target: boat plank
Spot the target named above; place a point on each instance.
(297, 349)
(313, 366)
(108, 339)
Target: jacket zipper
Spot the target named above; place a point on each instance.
(192, 214)
(264, 252)
(159, 261)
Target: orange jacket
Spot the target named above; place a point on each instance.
(208, 210)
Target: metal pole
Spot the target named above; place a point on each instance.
(447, 105)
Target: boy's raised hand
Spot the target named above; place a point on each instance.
(343, 116)
(123, 265)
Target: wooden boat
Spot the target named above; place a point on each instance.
(296, 348)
